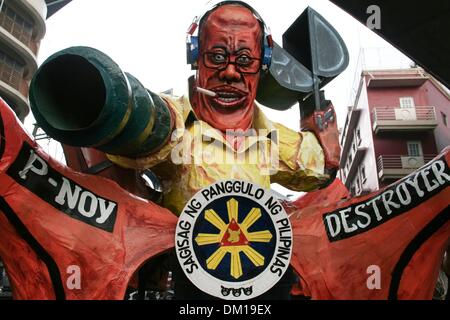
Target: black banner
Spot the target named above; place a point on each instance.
(399, 198)
(34, 173)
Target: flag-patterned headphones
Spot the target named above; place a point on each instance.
(192, 39)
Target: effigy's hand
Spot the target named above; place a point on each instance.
(321, 120)
(324, 125)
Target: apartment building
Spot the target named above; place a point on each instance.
(22, 27)
(400, 120)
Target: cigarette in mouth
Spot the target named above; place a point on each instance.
(207, 92)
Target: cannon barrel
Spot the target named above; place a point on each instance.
(80, 97)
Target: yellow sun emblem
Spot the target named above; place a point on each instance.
(234, 238)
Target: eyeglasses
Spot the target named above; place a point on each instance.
(243, 63)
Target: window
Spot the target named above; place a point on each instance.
(11, 71)
(363, 174)
(16, 24)
(358, 137)
(406, 102)
(414, 148)
(444, 119)
(356, 186)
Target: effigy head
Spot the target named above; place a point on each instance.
(229, 63)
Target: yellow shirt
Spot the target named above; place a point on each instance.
(198, 155)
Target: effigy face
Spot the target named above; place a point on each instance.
(229, 64)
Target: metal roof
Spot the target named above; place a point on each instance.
(55, 5)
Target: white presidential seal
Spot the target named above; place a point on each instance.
(234, 240)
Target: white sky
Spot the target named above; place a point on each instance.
(147, 39)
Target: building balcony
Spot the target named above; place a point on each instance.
(397, 166)
(13, 86)
(387, 80)
(387, 119)
(20, 32)
(19, 51)
(17, 97)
